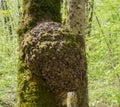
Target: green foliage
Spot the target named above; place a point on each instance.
(8, 53)
(103, 53)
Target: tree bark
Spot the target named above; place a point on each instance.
(32, 90)
(76, 22)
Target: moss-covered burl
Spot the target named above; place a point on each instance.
(52, 53)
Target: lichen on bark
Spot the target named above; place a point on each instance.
(76, 22)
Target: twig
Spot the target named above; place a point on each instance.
(103, 33)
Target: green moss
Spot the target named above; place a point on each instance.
(32, 91)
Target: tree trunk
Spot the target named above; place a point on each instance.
(7, 23)
(76, 22)
(32, 90)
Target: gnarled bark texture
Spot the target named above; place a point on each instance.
(32, 90)
(76, 22)
(51, 58)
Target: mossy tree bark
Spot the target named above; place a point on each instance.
(32, 90)
(76, 22)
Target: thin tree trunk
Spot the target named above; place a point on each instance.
(19, 7)
(89, 16)
(4, 6)
(32, 90)
(76, 22)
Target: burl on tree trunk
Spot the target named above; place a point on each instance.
(50, 57)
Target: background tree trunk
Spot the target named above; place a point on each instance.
(32, 90)
(7, 22)
(76, 22)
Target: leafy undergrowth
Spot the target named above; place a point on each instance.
(8, 70)
(103, 55)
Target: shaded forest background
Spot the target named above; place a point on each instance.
(103, 52)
